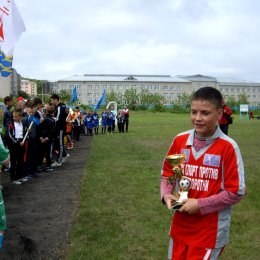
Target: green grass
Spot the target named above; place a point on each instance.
(120, 214)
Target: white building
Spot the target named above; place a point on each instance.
(91, 86)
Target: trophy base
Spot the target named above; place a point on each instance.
(177, 206)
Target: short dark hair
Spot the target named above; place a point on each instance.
(50, 110)
(209, 94)
(29, 103)
(7, 99)
(55, 96)
(18, 111)
(37, 101)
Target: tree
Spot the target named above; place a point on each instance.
(184, 100)
(144, 97)
(231, 101)
(242, 99)
(65, 96)
(131, 98)
(23, 94)
(112, 96)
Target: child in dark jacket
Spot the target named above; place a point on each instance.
(46, 138)
(16, 132)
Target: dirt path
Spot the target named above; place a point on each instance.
(40, 212)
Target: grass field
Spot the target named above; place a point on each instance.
(120, 214)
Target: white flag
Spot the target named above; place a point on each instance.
(11, 28)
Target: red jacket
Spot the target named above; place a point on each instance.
(226, 113)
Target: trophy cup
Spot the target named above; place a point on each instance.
(183, 183)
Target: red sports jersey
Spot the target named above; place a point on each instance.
(215, 168)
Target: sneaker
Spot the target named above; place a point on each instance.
(49, 169)
(34, 175)
(56, 164)
(65, 157)
(39, 168)
(16, 182)
(24, 179)
(29, 178)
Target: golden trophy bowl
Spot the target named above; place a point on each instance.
(175, 160)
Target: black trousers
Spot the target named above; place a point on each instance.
(76, 132)
(32, 156)
(126, 122)
(59, 144)
(120, 127)
(17, 153)
(45, 150)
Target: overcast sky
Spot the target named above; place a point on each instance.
(170, 37)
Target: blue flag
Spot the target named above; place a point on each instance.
(34, 119)
(74, 95)
(101, 101)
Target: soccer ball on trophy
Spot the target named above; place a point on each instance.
(184, 183)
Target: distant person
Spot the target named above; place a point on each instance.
(200, 228)
(76, 123)
(46, 136)
(120, 121)
(8, 115)
(104, 121)
(21, 104)
(110, 117)
(88, 121)
(251, 115)
(126, 118)
(60, 128)
(32, 149)
(226, 118)
(7, 120)
(16, 133)
(95, 122)
(69, 143)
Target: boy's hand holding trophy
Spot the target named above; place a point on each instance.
(183, 183)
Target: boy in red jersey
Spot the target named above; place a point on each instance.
(213, 163)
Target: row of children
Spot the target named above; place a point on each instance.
(34, 133)
(107, 121)
(87, 123)
(31, 133)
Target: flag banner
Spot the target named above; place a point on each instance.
(101, 101)
(34, 119)
(74, 95)
(11, 28)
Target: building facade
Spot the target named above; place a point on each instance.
(29, 87)
(9, 86)
(90, 86)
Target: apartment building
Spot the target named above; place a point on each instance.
(90, 86)
(29, 87)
